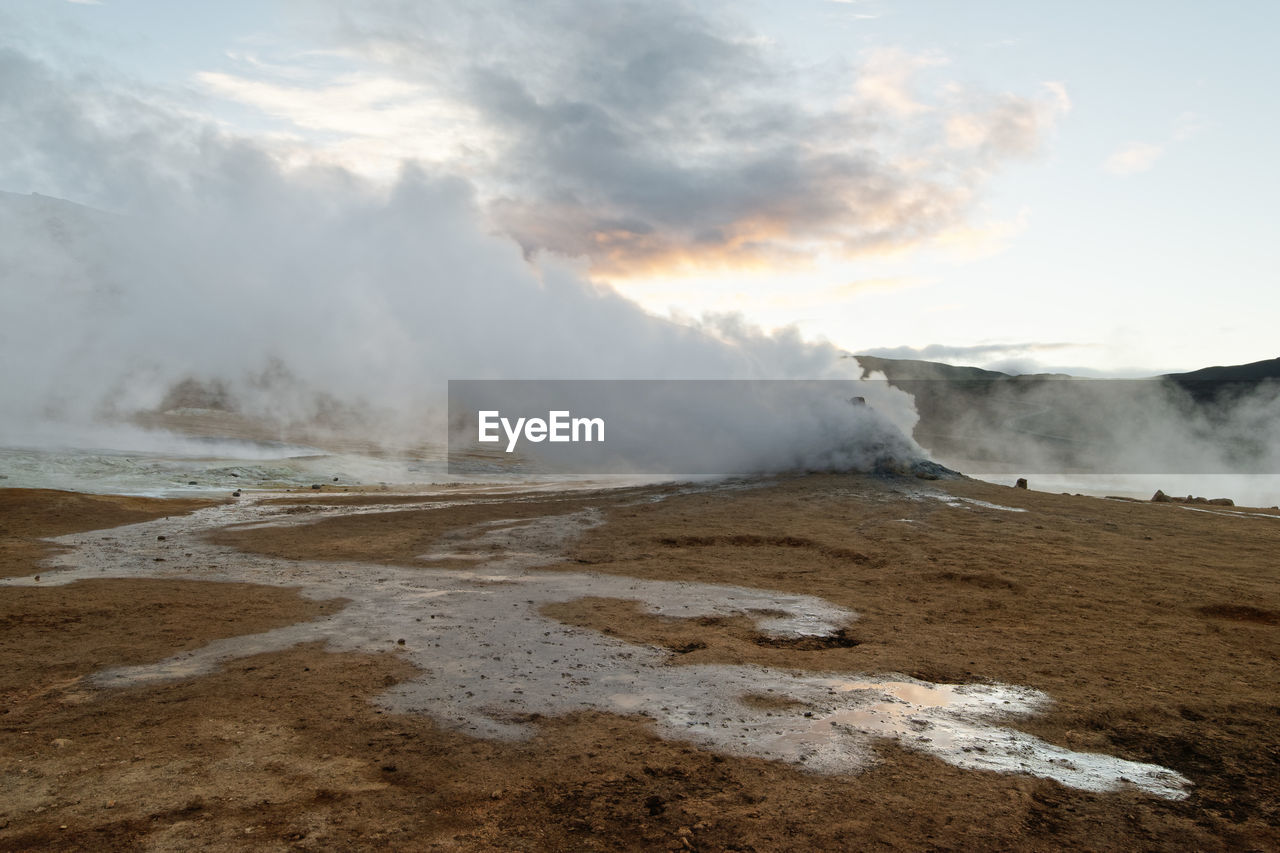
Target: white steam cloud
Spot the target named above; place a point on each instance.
(1209, 438)
(295, 296)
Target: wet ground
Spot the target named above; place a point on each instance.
(799, 623)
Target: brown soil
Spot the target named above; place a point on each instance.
(390, 537)
(1153, 629)
(27, 515)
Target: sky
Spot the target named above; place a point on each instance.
(1082, 186)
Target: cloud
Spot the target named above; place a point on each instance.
(305, 295)
(1005, 125)
(45, 145)
(1133, 158)
(1137, 157)
(373, 123)
(887, 80)
(660, 137)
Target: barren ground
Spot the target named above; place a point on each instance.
(1154, 629)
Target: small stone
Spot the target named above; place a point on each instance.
(1021, 484)
(400, 642)
(159, 538)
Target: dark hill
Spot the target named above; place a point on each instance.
(1252, 372)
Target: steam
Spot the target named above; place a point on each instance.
(1127, 437)
(304, 298)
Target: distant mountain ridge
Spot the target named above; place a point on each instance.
(909, 369)
(1254, 371)
(1217, 418)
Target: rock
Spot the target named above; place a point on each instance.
(923, 469)
(1197, 500)
(236, 493)
(316, 486)
(159, 538)
(1160, 497)
(1222, 502)
(1021, 484)
(191, 483)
